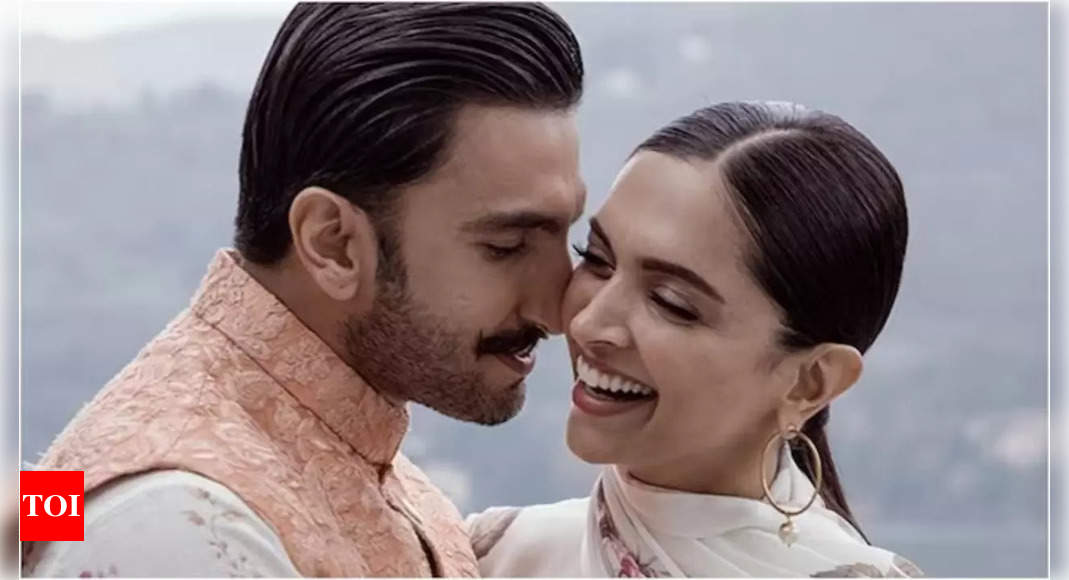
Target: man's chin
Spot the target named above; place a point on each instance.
(492, 408)
(506, 410)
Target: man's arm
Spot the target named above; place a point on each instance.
(164, 523)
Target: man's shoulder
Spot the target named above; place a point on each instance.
(186, 349)
(147, 405)
(187, 343)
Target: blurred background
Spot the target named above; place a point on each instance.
(131, 121)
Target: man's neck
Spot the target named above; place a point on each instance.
(285, 283)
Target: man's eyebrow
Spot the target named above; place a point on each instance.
(683, 273)
(516, 220)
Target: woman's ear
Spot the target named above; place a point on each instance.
(826, 372)
(334, 242)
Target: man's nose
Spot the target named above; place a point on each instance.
(544, 293)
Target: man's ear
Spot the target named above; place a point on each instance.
(335, 243)
(826, 372)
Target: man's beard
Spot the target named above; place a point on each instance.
(404, 350)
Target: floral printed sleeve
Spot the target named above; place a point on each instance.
(164, 523)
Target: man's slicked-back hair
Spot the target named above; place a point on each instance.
(361, 99)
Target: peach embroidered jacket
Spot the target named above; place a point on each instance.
(237, 390)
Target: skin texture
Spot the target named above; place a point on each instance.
(708, 346)
(480, 272)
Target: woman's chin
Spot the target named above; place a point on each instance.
(589, 444)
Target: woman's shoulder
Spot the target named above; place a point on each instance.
(521, 541)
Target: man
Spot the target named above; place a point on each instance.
(408, 176)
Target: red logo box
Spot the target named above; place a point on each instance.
(51, 506)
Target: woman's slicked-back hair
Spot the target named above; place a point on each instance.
(826, 217)
(361, 98)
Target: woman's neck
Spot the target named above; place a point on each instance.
(738, 476)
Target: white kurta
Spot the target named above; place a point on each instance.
(165, 523)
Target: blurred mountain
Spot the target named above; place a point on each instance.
(118, 69)
(130, 147)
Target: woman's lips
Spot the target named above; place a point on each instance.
(593, 404)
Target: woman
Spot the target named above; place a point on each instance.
(748, 255)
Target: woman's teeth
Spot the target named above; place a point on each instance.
(610, 385)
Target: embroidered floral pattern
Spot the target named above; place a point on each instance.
(238, 565)
(112, 572)
(900, 568)
(858, 570)
(903, 568)
(622, 561)
(237, 389)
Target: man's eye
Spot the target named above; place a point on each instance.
(496, 252)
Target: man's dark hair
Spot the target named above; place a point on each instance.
(361, 99)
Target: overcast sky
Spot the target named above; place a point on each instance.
(73, 20)
(88, 18)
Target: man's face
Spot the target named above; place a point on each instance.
(484, 264)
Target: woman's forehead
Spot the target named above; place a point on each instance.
(668, 205)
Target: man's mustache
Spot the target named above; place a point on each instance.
(511, 341)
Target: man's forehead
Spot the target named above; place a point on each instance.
(512, 166)
(503, 143)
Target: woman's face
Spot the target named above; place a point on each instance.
(664, 311)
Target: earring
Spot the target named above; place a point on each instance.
(788, 532)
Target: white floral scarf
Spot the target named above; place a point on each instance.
(639, 531)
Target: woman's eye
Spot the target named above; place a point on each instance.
(498, 252)
(599, 265)
(676, 310)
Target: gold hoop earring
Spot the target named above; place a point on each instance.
(788, 532)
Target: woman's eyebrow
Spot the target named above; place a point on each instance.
(683, 273)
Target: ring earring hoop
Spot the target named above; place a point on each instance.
(788, 531)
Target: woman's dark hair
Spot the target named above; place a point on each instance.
(827, 219)
(361, 98)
